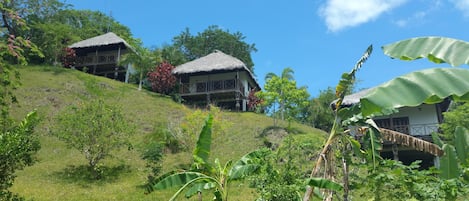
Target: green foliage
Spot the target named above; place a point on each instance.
(95, 129)
(458, 116)
(436, 49)
(142, 60)
(321, 115)
(18, 145)
(190, 125)
(428, 86)
(282, 173)
(153, 155)
(205, 176)
(394, 181)
(211, 39)
(282, 91)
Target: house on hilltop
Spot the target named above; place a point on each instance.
(218, 79)
(100, 56)
(420, 122)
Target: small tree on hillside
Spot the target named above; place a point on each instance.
(95, 129)
(162, 80)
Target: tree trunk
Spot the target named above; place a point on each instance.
(140, 81)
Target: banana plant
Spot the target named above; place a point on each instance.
(428, 86)
(455, 161)
(326, 156)
(205, 176)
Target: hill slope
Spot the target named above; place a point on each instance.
(60, 173)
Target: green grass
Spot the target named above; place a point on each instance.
(60, 172)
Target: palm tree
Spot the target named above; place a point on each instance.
(142, 60)
(287, 75)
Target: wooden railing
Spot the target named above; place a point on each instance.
(212, 86)
(416, 129)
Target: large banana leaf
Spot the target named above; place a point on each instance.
(247, 165)
(461, 143)
(202, 148)
(436, 49)
(426, 86)
(448, 163)
(323, 183)
(171, 180)
(199, 187)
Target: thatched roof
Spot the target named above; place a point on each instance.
(102, 40)
(216, 61)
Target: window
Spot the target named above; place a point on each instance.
(201, 87)
(102, 59)
(217, 85)
(229, 84)
(400, 124)
(112, 58)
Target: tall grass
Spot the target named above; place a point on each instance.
(60, 172)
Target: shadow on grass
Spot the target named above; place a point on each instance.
(83, 176)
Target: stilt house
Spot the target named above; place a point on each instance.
(420, 122)
(218, 79)
(100, 55)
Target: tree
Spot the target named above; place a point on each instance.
(95, 129)
(214, 38)
(321, 114)
(282, 91)
(142, 60)
(18, 144)
(205, 176)
(162, 79)
(454, 118)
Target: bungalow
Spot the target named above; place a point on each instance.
(100, 56)
(419, 122)
(218, 79)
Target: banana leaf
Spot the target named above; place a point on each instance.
(461, 143)
(247, 165)
(323, 183)
(202, 149)
(428, 86)
(436, 49)
(448, 163)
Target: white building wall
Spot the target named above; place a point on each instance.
(423, 119)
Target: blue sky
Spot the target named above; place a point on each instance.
(319, 39)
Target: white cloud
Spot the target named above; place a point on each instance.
(462, 5)
(418, 17)
(340, 14)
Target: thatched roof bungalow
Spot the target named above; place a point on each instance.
(100, 55)
(218, 79)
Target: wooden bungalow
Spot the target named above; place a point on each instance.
(420, 122)
(218, 79)
(100, 55)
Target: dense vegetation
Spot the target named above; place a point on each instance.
(97, 116)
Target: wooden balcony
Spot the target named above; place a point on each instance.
(212, 87)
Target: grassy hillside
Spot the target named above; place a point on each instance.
(60, 173)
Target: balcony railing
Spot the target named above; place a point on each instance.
(211, 86)
(416, 129)
(423, 129)
(93, 60)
